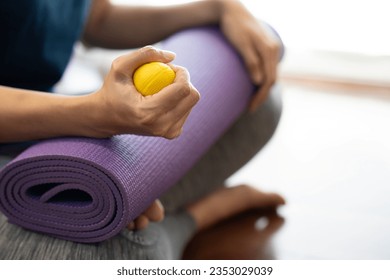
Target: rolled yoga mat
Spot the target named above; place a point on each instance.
(87, 190)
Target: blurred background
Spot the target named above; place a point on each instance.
(330, 156)
(340, 39)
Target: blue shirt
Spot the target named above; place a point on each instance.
(36, 40)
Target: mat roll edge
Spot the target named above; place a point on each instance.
(87, 190)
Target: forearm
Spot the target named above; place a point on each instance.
(113, 26)
(30, 115)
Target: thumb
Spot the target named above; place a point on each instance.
(128, 63)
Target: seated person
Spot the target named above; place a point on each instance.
(39, 36)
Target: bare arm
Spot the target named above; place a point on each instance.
(115, 26)
(116, 108)
(30, 115)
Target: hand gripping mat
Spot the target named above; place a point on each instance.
(87, 190)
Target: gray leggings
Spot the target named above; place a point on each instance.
(165, 240)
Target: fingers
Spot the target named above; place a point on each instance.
(177, 129)
(269, 52)
(161, 114)
(141, 222)
(176, 118)
(260, 97)
(253, 63)
(154, 213)
(255, 44)
(172, 105)
(178, 91)
(127, 64)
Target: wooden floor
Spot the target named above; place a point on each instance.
(330, 158)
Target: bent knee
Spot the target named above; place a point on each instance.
(269, 113)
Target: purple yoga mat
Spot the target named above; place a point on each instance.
(87, 190)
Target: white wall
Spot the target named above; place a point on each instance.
(342, 39)
(360, 26)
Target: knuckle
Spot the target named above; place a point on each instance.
(273, 46)
(155, 126)
(185, 72)
(116, 64)
(182, 74)
(185, 89)
(161, 130)
(170, 136)
(195, 96)
(117, 70)
(181, 68)
(174, 134)
(148, 51)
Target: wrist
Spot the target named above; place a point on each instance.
(75, 115)
(217, 8)
(93, 116)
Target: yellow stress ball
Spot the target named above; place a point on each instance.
(152, 77)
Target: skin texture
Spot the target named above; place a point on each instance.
(117, 108)
(227, 202)
(259, 50)
(23, 113)
(162, 114)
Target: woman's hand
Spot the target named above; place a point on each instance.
(258, 49)
(122, 109)
(154, 213)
